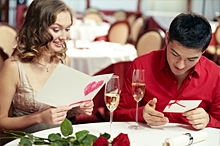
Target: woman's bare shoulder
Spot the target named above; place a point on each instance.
(9, 68)
(10, 63)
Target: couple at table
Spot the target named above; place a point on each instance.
(177, 72)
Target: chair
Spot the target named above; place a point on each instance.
(120, 15)
(131, 18)
(213, 51)
(119, 32)
(217, 47)
(93, 16)
(92, 10)
(136, 28)
(151, 40)
(7, 37)
(3, 56)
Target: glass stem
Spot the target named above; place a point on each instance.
(136, 113)
(111, 118)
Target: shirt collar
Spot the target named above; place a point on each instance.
(164, 64)
(163, 61)
(198, 67)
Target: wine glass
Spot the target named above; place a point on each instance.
(138, 90)
(112, 89)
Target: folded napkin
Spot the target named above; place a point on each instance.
(186, 139)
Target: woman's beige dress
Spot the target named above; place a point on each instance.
(24, 101)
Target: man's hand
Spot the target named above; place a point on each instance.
(153, 117)
(199, 118)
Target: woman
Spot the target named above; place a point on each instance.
(40, 48)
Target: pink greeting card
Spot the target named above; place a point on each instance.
(67, 86)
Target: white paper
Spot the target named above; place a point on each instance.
(183, 140)
(67, 86)
(180, 106)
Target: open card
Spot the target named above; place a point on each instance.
(67, 86)
(181, 106)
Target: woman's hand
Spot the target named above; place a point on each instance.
(153, 117)
(85, 108)
(54, 115)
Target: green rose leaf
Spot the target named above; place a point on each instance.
(54, 137)
(39, 142)
(66, 127)
(57, 143)
(71, 138)
(106, 135)
(75, 143)
(89, 139)
(80, 135)
(31, 137)
(25, 142)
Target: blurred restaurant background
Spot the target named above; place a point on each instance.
(108, 34)
(208, 8)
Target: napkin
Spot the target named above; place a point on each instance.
(186, 139)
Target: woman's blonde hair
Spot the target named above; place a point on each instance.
(33, 37)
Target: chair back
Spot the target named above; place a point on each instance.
(217, 35)
(136, 28)
(7, 37)
(217, 47)
(93, 16)
(3, 56)
(149, 41)
(119, 32)
(92, 10)
(120, 15)
(131, 18)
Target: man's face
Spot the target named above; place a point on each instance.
(180, 58)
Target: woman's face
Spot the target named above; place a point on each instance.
(60, 31)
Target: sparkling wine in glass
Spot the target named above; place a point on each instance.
(138, 90)
(112, 97)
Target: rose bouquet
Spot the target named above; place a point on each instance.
(81, 138)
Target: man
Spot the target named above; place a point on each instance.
(178, 72)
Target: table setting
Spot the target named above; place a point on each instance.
(152, 136)
(124, 133)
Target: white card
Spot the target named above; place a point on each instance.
(67, 86)
(180, 106)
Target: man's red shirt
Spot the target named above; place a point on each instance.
(202, 83)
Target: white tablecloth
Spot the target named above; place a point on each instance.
(88, 30)
(92, 57)
(146, 137)
(164, 19)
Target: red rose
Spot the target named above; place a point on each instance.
(101, 141)
(121, 140)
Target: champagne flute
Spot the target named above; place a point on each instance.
(112, 89)
(138, 90)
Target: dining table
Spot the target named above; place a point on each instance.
(92, 57)
(148, 136)
(88, 29)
